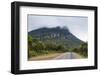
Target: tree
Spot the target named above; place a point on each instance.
(50, 46)
(84, 49)
(60, 47)
(39, 46)
(30, 41)
(75, 49)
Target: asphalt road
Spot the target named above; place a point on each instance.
(68, 55)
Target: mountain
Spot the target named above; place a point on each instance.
(56, 35)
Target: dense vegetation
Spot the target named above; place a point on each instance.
(37, 47)
(82, 50)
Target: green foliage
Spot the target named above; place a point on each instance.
(83, 49)
(61, 48)
(37, 47)
(30, 42)
(50, 46)
(32, 53)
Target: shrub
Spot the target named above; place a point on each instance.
(83, 49)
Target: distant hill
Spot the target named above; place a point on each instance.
(56, 35)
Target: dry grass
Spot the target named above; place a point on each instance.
(44, 57)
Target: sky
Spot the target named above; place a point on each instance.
(77, 25)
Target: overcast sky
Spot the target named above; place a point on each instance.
(77, 25)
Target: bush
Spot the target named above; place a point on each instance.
(83, 50)
(50, 46)
(39, 46)
(30, 42)
(32, 53)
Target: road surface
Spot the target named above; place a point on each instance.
(68, 55)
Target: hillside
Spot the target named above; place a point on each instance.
(56, 35)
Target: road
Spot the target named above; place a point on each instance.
(68, 55)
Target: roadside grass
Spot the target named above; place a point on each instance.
(33, 53)
(84, 55)
(44, 57)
